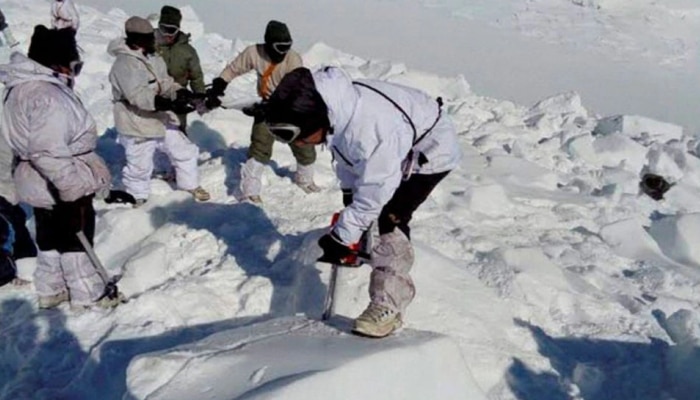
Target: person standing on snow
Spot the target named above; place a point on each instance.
(146, 101)
(391, 145)
(180, 57)
(271, 61)
(53, 137)
(6, 32)
(64, 15)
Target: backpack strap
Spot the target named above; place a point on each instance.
(416, 138)
(395, 104)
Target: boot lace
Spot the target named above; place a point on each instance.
(377, 313)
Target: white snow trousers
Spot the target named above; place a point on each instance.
(183, 154)
(390, 283)
(251, 177)
(71, 272)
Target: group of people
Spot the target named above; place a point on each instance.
(391, 146)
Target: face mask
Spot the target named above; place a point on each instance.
(274, 55)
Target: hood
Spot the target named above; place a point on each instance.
(118, 47)
(339, 94)
(23, 69)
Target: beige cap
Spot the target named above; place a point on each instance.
(138, 25)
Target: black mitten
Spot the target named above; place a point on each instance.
(182, 103)
(218, 87)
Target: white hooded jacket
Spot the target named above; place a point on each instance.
(7, 186)
(52, 135)
(64, 15)
(136, 80)
(372, 139)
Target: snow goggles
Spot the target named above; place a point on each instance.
(282, 47)
(75, 67)
(168, 30)
(285, 133)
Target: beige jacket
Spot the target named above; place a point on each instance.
(269, 75)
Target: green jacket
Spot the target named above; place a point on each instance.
(183, 63)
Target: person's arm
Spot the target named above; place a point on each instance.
(378, 175)
(243, 63)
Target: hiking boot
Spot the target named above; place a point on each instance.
(106, 302)
(52, 301)
(200, 194)
(377, 321)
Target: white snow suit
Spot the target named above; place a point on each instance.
(136, 79)
(54, 138)
(374, 146)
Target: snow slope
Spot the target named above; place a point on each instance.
(542, 272)
(623, 56)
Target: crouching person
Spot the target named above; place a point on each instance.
(53, 137)
(146, 101)
(392, 145)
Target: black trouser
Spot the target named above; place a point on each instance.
(407, 198)
(24, 245)
(56, 229)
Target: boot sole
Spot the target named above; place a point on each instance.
(377, 333)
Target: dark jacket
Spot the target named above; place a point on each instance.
(183, 62)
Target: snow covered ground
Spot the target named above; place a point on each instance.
(542, 272)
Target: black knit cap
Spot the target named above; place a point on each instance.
(277, 32)
(170, 15)
(296, 101)
(51, 47)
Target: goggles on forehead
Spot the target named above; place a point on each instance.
(168, 30)
(285, 133)
(75, 67)
(282, 47)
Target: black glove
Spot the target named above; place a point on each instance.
(212, 102)
(218, 87)
(183, 102)
(256, 111)
(347, 197)
(334, 252)
(162, 103)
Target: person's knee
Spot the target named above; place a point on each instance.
(305, 155)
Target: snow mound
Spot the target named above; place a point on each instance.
(291, 357)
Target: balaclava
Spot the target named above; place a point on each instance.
(140, 33)
(276, 33)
